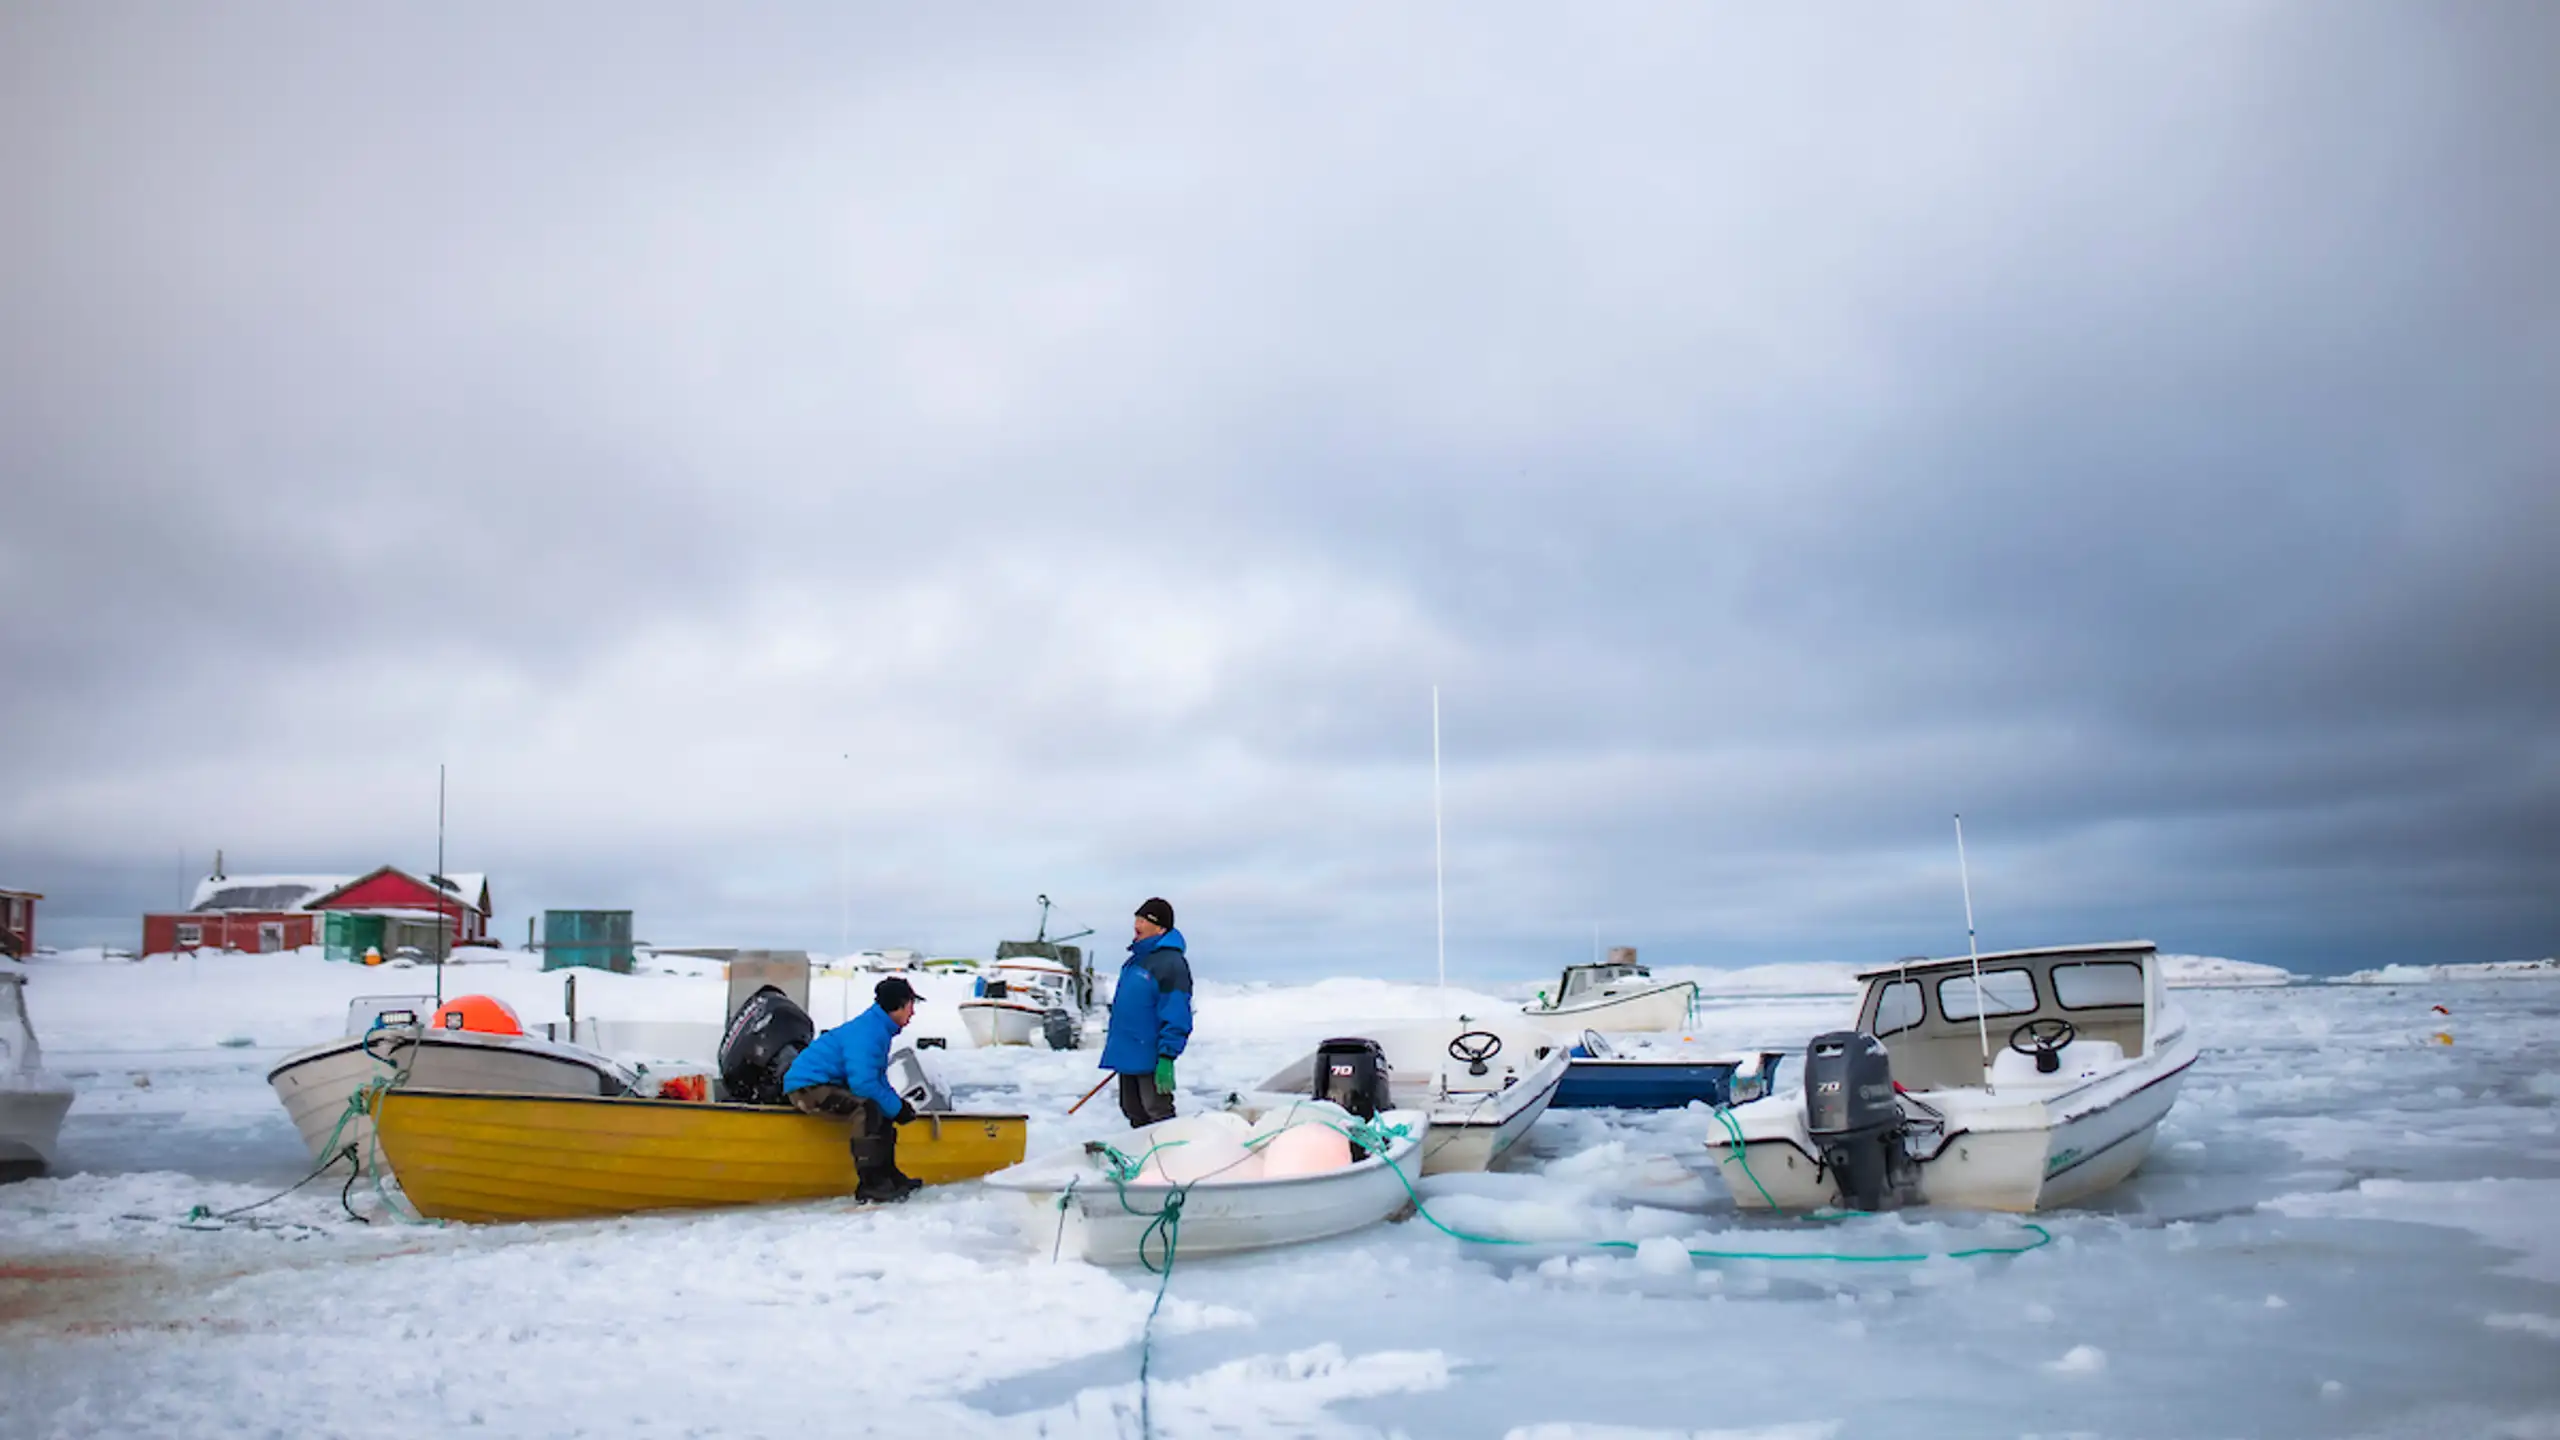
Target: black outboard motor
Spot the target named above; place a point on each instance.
(1854, 1120)
(765, 1036)
(1353, 1073)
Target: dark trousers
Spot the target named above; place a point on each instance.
(875, 1139)
(1142, 1102)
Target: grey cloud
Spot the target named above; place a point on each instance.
(2125, 427)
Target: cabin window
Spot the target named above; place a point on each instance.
(191, 934)
(2097, 984)
(2003, 992)
(1898, 1008)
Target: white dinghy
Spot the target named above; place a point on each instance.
(1482, 1082)
(32, 1099)
(1245, 1180)
(391, 1035)
(1618, 996)
(1904, 1110)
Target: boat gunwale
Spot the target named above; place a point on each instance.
(695, 1107)
(1375, 1164)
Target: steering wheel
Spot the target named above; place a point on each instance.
(1475, 1047)
(2044, 1040)
(1596, 1046)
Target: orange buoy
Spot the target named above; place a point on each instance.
(485, 1014)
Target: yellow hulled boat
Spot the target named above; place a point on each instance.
(554, 1157)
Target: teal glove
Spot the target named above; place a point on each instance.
(1164, 1074)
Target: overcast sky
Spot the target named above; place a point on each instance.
(1059, 448)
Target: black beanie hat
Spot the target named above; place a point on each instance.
(1159, 910)
(894, 993)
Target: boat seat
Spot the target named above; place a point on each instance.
(2082, 1057)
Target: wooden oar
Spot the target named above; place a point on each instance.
(1089, 1094)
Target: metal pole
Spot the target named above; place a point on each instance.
(844, 870)
(1981, 1005)
(442, 916)
(1439, 892)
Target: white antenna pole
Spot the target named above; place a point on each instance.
(844, 872)
(441, 913)
(1981, 1006)
(1439, 893)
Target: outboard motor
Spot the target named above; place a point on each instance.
(1854, 1120)
(1353, 1073)
(1061, 1028)
(764, 1037)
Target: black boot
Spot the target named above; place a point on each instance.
(907, 1184)
(875, 1169)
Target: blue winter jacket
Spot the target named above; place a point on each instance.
(1151, 1008)
(854, 1055)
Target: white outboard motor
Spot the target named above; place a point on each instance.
(916, 1081)
(1855, 1122)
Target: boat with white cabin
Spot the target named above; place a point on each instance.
(1619, 995)
(1483, 1083)
(2022, 1080)
(33, 1100)
(1023, 1000)
(1246, 1179)
(462, 1045)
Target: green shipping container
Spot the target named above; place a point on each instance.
(596, 939)
(347, 937)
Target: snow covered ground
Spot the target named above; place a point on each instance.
(2348, 1229)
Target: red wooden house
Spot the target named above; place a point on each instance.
(463, 900)
(266, 913)
(18, 922)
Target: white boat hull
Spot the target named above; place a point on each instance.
(998, 1022)
(1664, 1007)
(318, 1084)
(31, 1111)
(1475, 1120)
(1066, 1209)
(2018, 1154)
(33, 1100)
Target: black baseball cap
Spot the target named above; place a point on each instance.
(895, 994)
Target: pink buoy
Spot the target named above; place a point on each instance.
(1305, 1150)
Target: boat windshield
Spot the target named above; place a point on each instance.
(1579, 979)
(366, 1012)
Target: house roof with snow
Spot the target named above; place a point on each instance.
(262, 892)
(471, 890)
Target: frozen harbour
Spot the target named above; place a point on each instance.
(2350, 1228)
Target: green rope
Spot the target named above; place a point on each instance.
(1378, 1138)
(1732, 1129)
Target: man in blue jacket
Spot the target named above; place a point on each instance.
(846, 1072)
(1150, 1016)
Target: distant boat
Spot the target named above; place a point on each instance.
(1021, 1001)
(32, 1099)
(1622, 1076)
(1619, 995)
(1037, 989)
(488, 1158)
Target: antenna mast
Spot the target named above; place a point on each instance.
(444, 917)
(1981, 1005)
(1439, 894)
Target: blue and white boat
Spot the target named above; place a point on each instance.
(1601, 1076)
